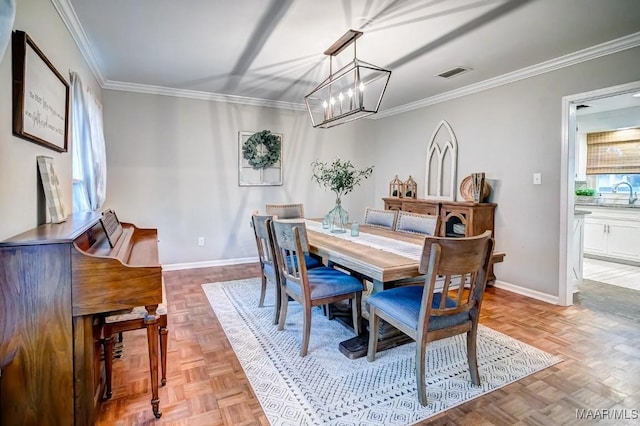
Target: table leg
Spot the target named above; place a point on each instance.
(389, 336)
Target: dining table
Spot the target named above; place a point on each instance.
(382, 256)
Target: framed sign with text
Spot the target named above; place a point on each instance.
(40, 96)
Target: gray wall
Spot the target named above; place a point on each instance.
(509, 133)
(18, 171)
(173, 165)
(172, 162)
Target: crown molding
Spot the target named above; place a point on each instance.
(71, 21)
(207, 96)
(613, 46)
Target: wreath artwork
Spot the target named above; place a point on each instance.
(262, 149)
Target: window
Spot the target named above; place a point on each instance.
(614, 157)
(88, 149)
(604, 184)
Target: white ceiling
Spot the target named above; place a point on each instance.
(273, 49)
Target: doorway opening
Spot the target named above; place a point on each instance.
(567, 248)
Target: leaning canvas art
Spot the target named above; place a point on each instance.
(51, 186)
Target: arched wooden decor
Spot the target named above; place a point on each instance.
(442, 164)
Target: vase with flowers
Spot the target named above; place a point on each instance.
(341, 177)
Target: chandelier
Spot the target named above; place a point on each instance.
(354, 91)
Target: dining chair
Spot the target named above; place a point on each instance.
(285, 211)
(426, 314)
(268, 262)
(416, 223)
(380, 218)
(136, 319)
(310, 287)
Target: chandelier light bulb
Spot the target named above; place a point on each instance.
(332, 101)
(340, 96)
(361, 87)
(350, 93)
(324, 104)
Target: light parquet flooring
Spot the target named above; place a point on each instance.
(206, 384)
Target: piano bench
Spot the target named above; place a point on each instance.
(135, 320)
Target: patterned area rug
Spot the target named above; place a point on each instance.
(325, 387)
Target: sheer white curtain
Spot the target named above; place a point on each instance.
(88, 149)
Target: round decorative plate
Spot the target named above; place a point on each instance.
(466, 189)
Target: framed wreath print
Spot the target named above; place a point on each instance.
(260, 158)
(40, 96)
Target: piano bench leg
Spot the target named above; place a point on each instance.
(163, 348)
(155, 404)
(108, 360)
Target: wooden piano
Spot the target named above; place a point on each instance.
(57, 282)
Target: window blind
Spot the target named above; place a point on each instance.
(615, 152)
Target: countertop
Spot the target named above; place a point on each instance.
(609, 205)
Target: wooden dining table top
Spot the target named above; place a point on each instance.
(374, 263)
(381, 266)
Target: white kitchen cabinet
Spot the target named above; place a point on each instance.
(595, 236)
(613, 233)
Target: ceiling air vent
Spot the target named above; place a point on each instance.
(453, 72)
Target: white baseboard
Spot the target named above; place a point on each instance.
(503, 285)
(208, 264)
(534, 294)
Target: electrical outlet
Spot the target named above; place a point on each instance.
(537, 178)
(200, 241)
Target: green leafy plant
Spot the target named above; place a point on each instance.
(339, 176)
(588, 192)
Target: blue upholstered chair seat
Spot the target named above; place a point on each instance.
(403, 305)
(268, 269)
(311, 262)
(327, 282)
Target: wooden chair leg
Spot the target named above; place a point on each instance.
(276, 318)
(151, 322)
(306, 330)
(263, 290)
(330, 311)
(163, 351)
(472, 357)
(283, 309)
(374, 325)
(108, 360)
(421, 349)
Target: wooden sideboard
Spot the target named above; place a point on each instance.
(457, 218)
(474, 217)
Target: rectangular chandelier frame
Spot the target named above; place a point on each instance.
(354, 91)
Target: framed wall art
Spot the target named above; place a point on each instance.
(40, 96)
(260, 158)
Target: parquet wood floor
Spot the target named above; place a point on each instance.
(207, 386)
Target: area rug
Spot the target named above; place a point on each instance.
(327, 388)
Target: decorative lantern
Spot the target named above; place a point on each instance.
(410, 188)
(396, 188)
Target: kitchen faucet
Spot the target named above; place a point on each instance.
(632, 199)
